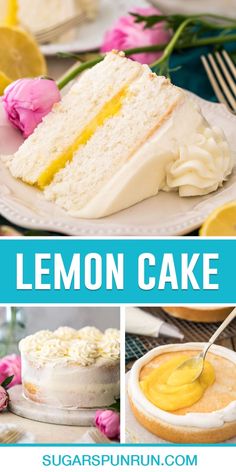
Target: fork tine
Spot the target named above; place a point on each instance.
(62, 24)
(55, 33)
(227, 74)
(13, 437)
(51, 33)
(222, 82)
(229, 62)
(213, 82)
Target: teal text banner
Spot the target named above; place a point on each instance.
(117, 271)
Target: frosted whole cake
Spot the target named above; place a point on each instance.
(119, 136)
(71, 369)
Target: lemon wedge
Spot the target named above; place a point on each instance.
(221, 222)
(4, 82)
(20, 56)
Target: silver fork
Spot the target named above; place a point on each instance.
(221, 73)
(47, 35)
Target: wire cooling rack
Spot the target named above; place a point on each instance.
(137, 346)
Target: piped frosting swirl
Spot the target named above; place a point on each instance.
(82, 347)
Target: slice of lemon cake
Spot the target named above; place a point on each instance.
(119, 136)
(41, 14)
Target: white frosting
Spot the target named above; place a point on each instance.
(202, 165)
(83, 352)
(112, 333)
(213, 419)
(110, 348)
(53, 348)
(34, 342)
(90, 333)
(185, 154)
(66, 333)
(67, 345)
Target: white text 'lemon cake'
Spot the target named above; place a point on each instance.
(119, 136)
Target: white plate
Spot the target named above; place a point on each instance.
(90, 35)
(165, 214)
(220, 7)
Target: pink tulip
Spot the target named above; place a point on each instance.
(108, 422)
(27, 101)
(11, 365)
(127, 34)
(4, 398)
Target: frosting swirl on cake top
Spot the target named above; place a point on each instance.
(84, 352)
(82, 347)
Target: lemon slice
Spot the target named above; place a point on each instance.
(4, 82)
(20, 56)
(221, 222)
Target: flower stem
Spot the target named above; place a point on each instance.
(209, 41)
(171, 45)
(168, 48)
(76, 71)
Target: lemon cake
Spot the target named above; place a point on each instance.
(200, 411)
(37, 14)
(70, 368)
(120, 135)
(199, 313)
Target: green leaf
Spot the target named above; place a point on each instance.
(173, 21)
(115, 406)
(7, 381)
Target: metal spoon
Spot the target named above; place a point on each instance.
(194, 366)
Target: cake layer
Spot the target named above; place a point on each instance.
(216, 408)
(218, 394)
(146, 105)
(109, 110)
(69, 118)
(71, 386)
(200, 314)
(184, 155)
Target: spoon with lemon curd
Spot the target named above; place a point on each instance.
(191, 369)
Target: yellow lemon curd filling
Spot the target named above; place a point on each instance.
(171, 397)
(109, 110)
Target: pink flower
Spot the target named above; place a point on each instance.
(4, 398)
(10, 365)
(27, 101)
(108, 422)
(127, 34)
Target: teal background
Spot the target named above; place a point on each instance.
(131, 248)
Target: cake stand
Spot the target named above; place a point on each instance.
(20, 406)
